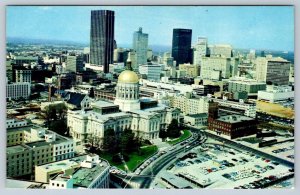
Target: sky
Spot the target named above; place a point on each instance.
(249, 27)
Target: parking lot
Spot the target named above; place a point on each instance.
(219, 167)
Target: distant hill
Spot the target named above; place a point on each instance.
(18, 40)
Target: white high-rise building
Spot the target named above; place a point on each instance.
(200, 50)
(212, 65)
(140, 45)
(220, 50)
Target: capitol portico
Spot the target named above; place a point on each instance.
(144, 116)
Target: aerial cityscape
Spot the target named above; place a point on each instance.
(150, 97)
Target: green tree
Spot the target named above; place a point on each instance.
(92, 93)
(109, 140)
(127, 142)
(173, 130)
(163, 134)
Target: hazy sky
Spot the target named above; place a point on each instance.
(257, 27)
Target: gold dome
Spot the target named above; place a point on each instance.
(128, 76)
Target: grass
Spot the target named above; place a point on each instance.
(184, 136)
(275, 109)
(135, 158)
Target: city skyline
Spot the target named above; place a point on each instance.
(221, 25)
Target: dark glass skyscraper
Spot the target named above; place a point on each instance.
(181, 45)
(102, 38)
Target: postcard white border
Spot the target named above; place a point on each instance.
(3, 3)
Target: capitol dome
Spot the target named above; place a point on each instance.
(128, 76)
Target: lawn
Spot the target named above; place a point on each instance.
(134, 158)
(184, 136)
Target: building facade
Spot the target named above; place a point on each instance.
(276, 93)
(234, 126)
(274, 70)
(181, 45)
(18, 90)
(250, 86)
(140, 45)
(74, 63)
(220, 51)
(200, 50)
(23, 76)
(210, 65)
(151, 71)
(192, 70)
(102, 38)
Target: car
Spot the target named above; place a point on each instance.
(187, 146)
(234, 159)
(137, 172)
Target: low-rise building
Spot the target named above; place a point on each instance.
(250, 86)
(190, 69)
(276, 93)
(88, 171)
(197, 120)
(18, 160)
(233, 125)
(151, 71)
(236, 107)
(40, 145)
(190, 105)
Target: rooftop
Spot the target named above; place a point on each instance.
(83, 177)
(16, 149)
(102, 104)
(175, 180)
(198, 115)
(64, 164)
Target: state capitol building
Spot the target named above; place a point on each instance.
(144, 116)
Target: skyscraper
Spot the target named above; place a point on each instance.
(102, 38)
(181, 45)
(140, 45)
(200, 50)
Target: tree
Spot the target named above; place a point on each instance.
(109, 140)
(127, 142)
(173, 130)
(163, 134)
(92, 93)
(61, 110)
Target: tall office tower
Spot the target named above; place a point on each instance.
(200, 50)
(181, 45)
(102, 38)
(273, 69)
(140, 45)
